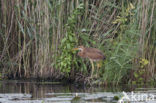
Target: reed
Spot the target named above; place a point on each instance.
(34, 35)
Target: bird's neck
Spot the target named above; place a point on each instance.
(81, 49)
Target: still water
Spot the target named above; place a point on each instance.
(47, 92)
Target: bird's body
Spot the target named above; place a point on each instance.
(92, 54)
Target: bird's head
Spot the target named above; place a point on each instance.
(81, 48)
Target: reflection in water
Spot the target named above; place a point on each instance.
(35, 92)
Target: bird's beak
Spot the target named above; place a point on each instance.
(75, 49)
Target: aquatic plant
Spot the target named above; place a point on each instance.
(36, 37)
(66, 59)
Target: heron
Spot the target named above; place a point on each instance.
(93, 54)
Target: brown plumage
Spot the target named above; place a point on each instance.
(90, 53)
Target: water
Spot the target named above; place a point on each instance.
(48, 92)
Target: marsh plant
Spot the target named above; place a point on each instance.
(37, 37)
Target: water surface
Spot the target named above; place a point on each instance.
(14, 91)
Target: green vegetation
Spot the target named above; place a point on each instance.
(124, 46)
(37, 38)
(65, 60)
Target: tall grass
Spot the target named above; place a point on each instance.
(34, 35)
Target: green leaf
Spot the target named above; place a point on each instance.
(63, 40)
(136, 75)
(68, 46)
(70, 38)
